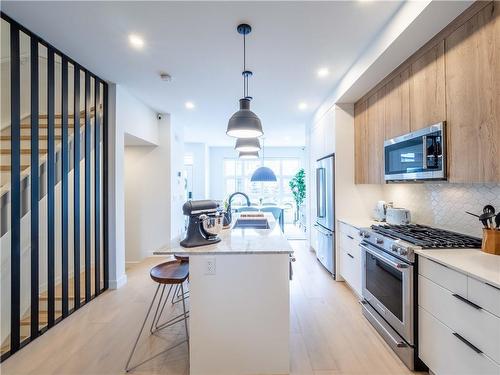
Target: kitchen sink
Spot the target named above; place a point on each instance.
(252, 223)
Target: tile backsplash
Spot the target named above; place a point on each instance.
(444, 205)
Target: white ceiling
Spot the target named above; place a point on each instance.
(196, 42)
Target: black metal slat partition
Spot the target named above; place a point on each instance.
(53, 177)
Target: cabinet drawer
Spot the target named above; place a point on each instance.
(446, 354)
(444, 276)
(350, 231)
(476, 325)
(351, 268)
(486, 296)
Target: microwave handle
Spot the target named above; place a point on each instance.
(424, 152)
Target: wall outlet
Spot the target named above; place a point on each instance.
(210, 266)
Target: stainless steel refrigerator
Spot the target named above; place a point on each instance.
(325, 212)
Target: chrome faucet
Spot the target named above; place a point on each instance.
(228, 216)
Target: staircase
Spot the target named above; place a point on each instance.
(5, 178)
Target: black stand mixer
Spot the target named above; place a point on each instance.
(205, 223)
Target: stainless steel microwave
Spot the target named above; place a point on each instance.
(420, 155)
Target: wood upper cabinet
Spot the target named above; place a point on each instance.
(473, 98)
(360, 143)
(397, 105)
(427, 89)
(369, 139)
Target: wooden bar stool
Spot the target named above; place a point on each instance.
(172, 273)
(176, 295)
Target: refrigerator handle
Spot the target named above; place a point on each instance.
(320, 193)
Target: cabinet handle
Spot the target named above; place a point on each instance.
(350, 255)
(475, 348)
(351, 237)
(466, 301)
(493, 286)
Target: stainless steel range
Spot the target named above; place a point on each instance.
(388, 280)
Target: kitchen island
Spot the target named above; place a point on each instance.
(239, 302)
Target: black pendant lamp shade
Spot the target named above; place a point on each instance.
(244, 123)
(247, 144)
(249, 155)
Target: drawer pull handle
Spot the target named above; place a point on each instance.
(350, 255)
(466, 301)
(351, 237)
(493, 286)
(475, 348)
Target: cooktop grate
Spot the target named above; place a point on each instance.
(427, 237)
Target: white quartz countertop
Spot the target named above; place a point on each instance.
(238, 241)
(360, 222)
(473, 262)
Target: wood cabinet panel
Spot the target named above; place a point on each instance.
(397, 105)
(427, 89)
(360, 143)
(375, 136)
(473, 98)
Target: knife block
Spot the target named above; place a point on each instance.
(491, 241)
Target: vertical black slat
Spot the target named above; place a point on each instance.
(64, 187)
(97, 188)
(88, 133)
(105, 185)
(34, 188)
(15, 141)
(76, 183)
(51, 179)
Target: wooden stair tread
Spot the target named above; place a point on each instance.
(6, 168)
(24, 151)
(42, 137)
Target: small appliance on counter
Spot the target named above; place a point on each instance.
(397, 216)
(380, 210)
(205, 223)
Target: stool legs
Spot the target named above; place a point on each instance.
(184, 316)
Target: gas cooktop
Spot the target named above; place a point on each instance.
(427, 237)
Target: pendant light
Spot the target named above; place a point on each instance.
(263, 174)
(247, 144)
(244, 123)
(249, 155)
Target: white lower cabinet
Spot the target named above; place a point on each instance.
(459, 331)
(350, 257)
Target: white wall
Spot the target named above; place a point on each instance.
(217, 155)
(136, 118)
(200, 154)
(151, 194)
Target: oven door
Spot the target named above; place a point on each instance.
(420, 155)
(388, 287)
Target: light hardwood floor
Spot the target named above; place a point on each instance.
(329, 335)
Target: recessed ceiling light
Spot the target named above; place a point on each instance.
(323, 72)
(189, 105)
(136, 41)
(302, 106)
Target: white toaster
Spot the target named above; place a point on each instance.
(398, 216)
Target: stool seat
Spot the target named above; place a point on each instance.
(183, 258)
(172, 272)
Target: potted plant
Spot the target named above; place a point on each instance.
(298, 186)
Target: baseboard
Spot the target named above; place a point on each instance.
(116, 284)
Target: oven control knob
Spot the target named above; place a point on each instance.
(403, 251)
(395, 248)
(380, 241)
(366, 235)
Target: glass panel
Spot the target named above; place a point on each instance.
(25, 91)
(42, 148)
(404, 157)
(5, 178)
(82, 185)
(92, 184)
(71, 183)
(101, 162)
(386, 284)
(58, 192)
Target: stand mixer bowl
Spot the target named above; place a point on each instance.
(212, 225)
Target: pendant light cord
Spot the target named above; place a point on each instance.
(245, 79)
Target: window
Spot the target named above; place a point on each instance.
(237, 174)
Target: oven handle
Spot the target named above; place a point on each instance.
(377, 255)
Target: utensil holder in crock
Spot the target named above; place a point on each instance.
(491, 241)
